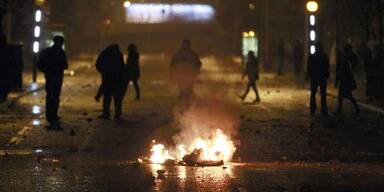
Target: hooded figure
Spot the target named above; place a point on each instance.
(110, 64)
(185, 67)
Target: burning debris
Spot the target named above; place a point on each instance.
(212, 151)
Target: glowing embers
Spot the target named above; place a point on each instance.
(214, 150)
(152, 13)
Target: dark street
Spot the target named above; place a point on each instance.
(192, 95)
(279, 146)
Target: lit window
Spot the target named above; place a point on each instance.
(159, 13)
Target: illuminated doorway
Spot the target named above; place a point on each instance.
(250, 43)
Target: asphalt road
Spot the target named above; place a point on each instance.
(279, 146)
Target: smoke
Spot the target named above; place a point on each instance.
(205, 113)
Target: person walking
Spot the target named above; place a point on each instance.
(318, 73)
(345, 80)
(132, 69)
(110, 64)
(252, 72)
(52, 62)
(185, 67)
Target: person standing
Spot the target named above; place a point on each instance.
(318, 73)
(132, 69)
(110, 64)
(52, 62)
(185, 67)
(345, 80)
(252, 72)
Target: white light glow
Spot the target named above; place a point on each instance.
(38, 16)
(312, 6)
(36, 122)
(34, 86)
(159, 13)
(36, 47)
(312, 35)
(127, 4)
(313, 49)
(36, 110)
(37, 31)
(312, 20)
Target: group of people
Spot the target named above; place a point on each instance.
(116, 77)
(318, 73)
(185, 66)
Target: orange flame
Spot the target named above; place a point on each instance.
(216, 148)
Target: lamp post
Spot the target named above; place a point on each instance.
(312, 8)
(38, 17)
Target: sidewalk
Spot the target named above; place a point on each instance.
(370, 103)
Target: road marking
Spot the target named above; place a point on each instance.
(16, 152)
(19, 136)
(363, 105)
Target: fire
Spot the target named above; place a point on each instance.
(217, 147)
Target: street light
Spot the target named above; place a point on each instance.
(312, 8)
(36, 34)
(38, 16)
(127, 4)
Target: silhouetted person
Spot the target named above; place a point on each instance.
(252, 72)
(185, 67)
(110, 64)
(5, 69)
(298, 57)
(280, 57)
(132, 69)
(345, 80)
(318, 73)
(52, 62)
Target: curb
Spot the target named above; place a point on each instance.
(362, 105)
(23, 94)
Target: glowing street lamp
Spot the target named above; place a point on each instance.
(127, 4)
(251, 33)
(312, 7)
(38, 16)
(37, 34)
